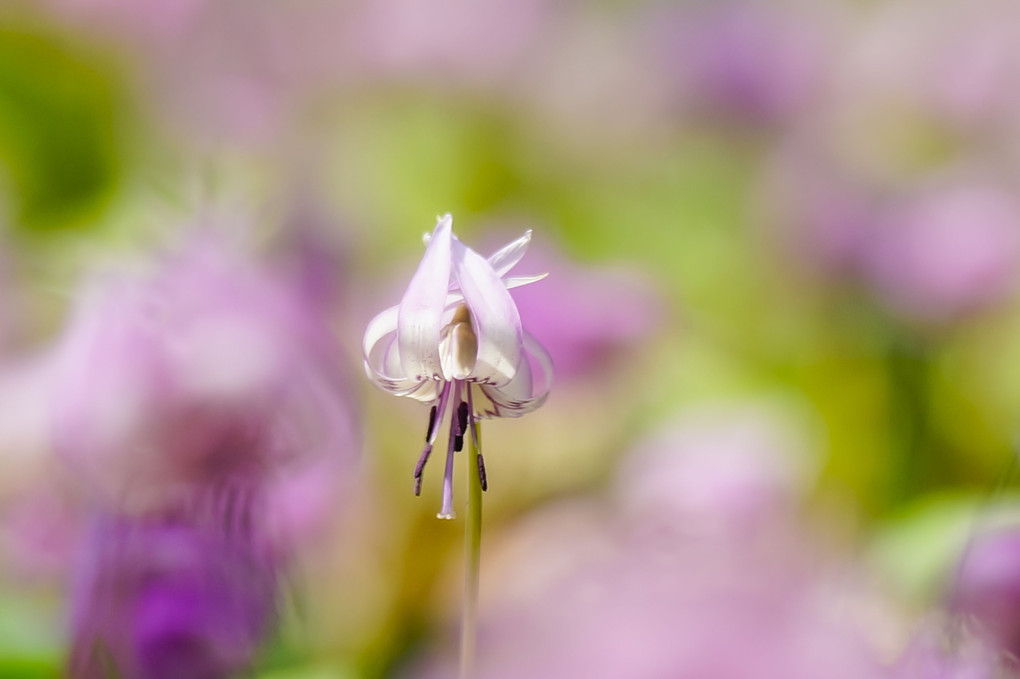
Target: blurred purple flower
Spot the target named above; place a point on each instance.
(585, 315)
(734, 469)
(222, 71)
(986, 589)
(934, 655)
(163, 599)
(476, 44)
(40, 531)
(205, 371)
(456, 336)
(946, 252)
(938, 61)
(756, 61)
(602, 599)
(818, 209)
(155, 20)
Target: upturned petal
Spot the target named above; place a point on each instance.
(507, 256)
(510, 282)
(382, 361)
(419, 319)
(494, 317)
(520, 396)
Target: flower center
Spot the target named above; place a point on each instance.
(458, 395)
(458, 345)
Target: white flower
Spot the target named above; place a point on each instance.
(455, 341)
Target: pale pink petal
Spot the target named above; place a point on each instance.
(507, 256)
(420, 314)
(493, 315)
(382, 362)
(520, 396)
(510, 282)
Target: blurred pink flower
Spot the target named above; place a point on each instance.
(166, 600)
(740, 469)
(225, 71)
(157, 20)
(929, 657)
(446, 41)
(986, 589)
(584, 315)
(817, 209)
(457, 336)
(946, 62)
(753, 60)
(206, 371)
(40, 532)
(632, 585)
(946, 252)
(651, 606)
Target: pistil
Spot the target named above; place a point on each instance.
(435, 418)
(456, 438)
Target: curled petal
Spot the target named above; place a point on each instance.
(455, 296)
(419, 319)
(511, 282)
(494, 317)
(382, 362)
(522, 394)
(507, 256)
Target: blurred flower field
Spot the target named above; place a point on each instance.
(782, 241)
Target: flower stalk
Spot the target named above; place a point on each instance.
(455, 342)
(472, 555)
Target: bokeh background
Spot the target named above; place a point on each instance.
(782, 240)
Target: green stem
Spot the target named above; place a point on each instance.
(472, 561)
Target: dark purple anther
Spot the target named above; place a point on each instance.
(432, 425)
(420, 467)
(481, 473)
(462, 418)
(435, 416)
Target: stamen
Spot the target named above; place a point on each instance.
(420, 467)
(432, 424)
(436, 415)
(481, 472)
(473, 424)
(446, 512)
(462, 416)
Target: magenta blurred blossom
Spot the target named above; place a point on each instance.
(986, 589)
(737, 468)
(474, 43)
(634, 586)
(819, 210)
(456, 340)
(40, 533)
(585, 315)
(224, 71)
(756, 61)
(946, 252)
(932, 657)
(206, 370)
(235, 75)
(157, 20)
(651, 606)
(161, 599)
(951, 62)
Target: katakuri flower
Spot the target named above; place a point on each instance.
(455, 341)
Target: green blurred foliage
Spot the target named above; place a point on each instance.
(59, 132)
